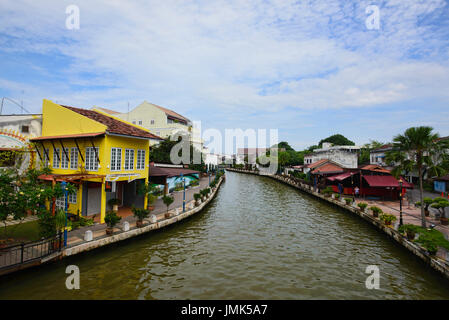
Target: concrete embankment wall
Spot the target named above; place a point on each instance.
(437, 264)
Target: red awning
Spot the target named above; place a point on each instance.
(385, 181)
(340, 177)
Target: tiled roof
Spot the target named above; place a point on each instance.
(108, 110)
(385, 147)
(328, 168)
(375, 167)
(317, 163)
(114, 125)
(171, 113)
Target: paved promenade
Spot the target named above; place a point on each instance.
(99, 230)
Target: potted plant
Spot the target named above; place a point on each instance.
(337, 196)
(432, 249)
(111, 220)
(203, 193)
(441, 204)
(348, 201)
(114, 204)
(327, 191)
(387, 218)
(197, 198)
(409, 230)
(140, 214)
(168, 200)
(362, 206)
(427, 202)
(376, 211)
(151, 200)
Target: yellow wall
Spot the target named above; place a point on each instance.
(57, 120)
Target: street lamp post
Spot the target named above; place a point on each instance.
(184, 193)
(64, 187)
(400, 202)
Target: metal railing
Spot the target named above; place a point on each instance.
(25, 252)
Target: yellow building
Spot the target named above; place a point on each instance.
(104, 157)
(160, 121)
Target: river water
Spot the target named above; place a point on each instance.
(259, 239)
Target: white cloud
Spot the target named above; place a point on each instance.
(233, 55)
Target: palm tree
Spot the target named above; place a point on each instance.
(418, 149)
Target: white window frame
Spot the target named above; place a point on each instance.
(116, 159)
(91, 163)
(129, 159)
(74, 158)
(140, 159)
(64, 158)
(56, 158)
(72, 198)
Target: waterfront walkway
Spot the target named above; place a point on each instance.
(76, 237)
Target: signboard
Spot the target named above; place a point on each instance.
(116, 176)
(439, 186)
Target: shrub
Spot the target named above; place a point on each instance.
(327, 191)
(429, 239)
(167, 201)
(376, 210)
(113, 202)
(387, 218)
(348, 201)
(140, 214)
(47, 225)
(197, 196)
(440, 204)
(362, 205)
(112, 219)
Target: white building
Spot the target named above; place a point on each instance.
(15, 132)
(377, 156)
(346, 156)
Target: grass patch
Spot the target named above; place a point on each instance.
(426, 236)
(27, 231)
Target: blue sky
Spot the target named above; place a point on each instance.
(307, 68)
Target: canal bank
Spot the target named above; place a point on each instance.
(258, 239)
(439, 265)
(126, 230)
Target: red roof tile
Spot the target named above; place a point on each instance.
(114, 125)
(328, 168)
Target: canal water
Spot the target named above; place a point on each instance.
(259, 239)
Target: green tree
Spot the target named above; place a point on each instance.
(337, 139)
(419, 148)
(364, 156)
(160, 153)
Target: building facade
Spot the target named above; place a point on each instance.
(160, 121)
(103, 157)
(346, 156)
